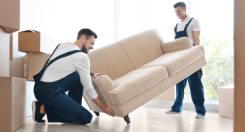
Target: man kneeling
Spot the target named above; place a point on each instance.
(67, 69)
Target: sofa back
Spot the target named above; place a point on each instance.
(143, 47)
(111, 60)
(116, 60)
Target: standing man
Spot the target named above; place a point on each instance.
(188, 27)
(67, 69)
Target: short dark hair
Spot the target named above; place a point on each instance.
(181, 4)
(87, 32)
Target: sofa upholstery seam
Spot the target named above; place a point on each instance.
(102, 91)
(188, 57)
(144, 81)
(178, 61)
(127, 55)
(140, 92)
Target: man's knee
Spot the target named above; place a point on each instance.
(89, 118)
(86, 119)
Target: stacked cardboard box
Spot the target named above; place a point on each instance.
(35, 41)
(12, 95)
(4, 53)
(36, 45)
(12, 100)
(10, 15)
(33, 63)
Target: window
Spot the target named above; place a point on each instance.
(216, 37)
(216, 19)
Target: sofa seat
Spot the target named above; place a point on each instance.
(176, 61)
(136, 82)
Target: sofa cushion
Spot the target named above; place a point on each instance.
(111, 60)
(143, 47)
(136, 82)
(177, 61)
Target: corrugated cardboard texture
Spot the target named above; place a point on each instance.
(18, 102)
(4, 53)
(12, 99)
(6, 102)
(35, 63)
(167, 95)
(29, 41)
(11, 47)
(10, 15)
(16, 67)
(34, 41)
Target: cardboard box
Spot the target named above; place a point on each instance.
(226, 101)
(10, 15)
(4, 53)
(16, 68)
(34, 41)
(12, 100)
(34, 63)
(11, 47)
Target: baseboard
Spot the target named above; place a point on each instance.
(186, 105)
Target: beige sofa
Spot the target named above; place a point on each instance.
(139, 68)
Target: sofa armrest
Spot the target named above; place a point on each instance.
(103, 84)
(176, 45)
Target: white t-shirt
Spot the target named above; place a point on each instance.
(193, 26)
(69, 64)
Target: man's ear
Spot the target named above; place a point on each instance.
(83, 38)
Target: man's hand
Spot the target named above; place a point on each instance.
(95, 74)
(108, 111)
(98, 74)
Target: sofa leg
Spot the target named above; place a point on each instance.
(127, 119)
(97, 113)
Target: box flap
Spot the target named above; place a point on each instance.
(10, 15)
(31, 30)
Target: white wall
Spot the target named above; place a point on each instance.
(62, 19)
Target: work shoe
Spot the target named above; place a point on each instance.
(36, 115)
(199, 115)
(172, 112)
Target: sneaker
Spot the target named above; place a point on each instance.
(199, 115)
(36, 115)
(172, 112)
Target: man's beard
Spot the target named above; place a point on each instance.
(84, 49)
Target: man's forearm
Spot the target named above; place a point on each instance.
(196, 35)
(196, 41)
(99, 103)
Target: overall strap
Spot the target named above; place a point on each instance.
(38, 76)
(186, 26)
(175, 29)
(61, 56)
(51, 55)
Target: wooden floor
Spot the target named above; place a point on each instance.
(144, 119)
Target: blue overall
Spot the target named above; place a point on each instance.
(59, 106)
(195, 83)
